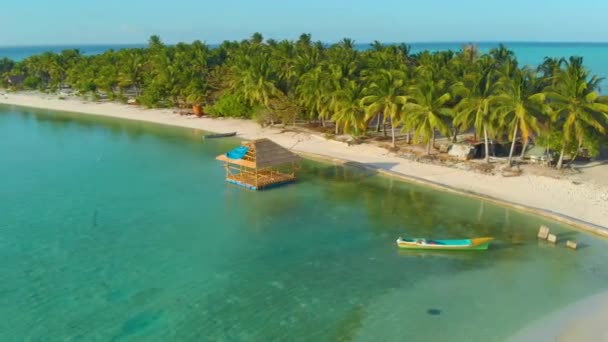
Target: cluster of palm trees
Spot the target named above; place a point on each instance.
(358, 91)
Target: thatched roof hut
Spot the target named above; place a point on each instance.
(260, 164)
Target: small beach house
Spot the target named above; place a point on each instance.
(260, 164)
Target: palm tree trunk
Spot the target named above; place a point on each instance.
(393, 131)
(560, 162)
(433, 144)
(384, 128)
(513, 145)
(428, 148)
(572, 160)
(487, 147)
(378, 123)
(523, 149)
(322, 122)
(578, 148)
(337, 129)
(455, 137)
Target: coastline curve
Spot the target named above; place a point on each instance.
(315, 147)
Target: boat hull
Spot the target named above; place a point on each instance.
(219, 135)
(446, 245)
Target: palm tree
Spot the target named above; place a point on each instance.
(548, 69)
(428, 111)
(470, 53)
(377, 46)
(6, 65)
(518, 105)
(386, 95)
(305, 40)
(131, 72)
(256, 38)
(255, 78)
(155, 43)
(314, 94)
(475, 108)
(577, 106)
(502, 55)
(347, 44)
(348, 113)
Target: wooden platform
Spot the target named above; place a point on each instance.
(265, 179)
(263, 165)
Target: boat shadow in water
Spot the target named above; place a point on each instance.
(498, 246)
(455, 255)
(495, 246)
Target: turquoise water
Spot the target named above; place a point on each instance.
(118, 230)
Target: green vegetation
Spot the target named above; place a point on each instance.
(271, 81)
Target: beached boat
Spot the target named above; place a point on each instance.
(218, 135)
(447, 245)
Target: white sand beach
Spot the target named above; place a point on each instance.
(583, 202)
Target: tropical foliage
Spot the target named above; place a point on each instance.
(349, 90)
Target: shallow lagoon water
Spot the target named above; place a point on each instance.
(119, 230)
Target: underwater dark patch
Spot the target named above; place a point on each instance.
(433, 312)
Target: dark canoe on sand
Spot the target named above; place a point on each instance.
(218, 135)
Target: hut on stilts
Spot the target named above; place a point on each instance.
(260, 164)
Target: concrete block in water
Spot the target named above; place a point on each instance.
(552, 238)
(543, 232)
(571, 244)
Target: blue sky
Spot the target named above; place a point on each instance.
(34, 22)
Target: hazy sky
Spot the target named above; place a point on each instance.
(32, 22)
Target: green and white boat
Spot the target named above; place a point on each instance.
(447, 245)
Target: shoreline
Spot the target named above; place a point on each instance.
(584, 206)
(579, 321)
(579, 224)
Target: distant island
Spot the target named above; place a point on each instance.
(345, 91)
